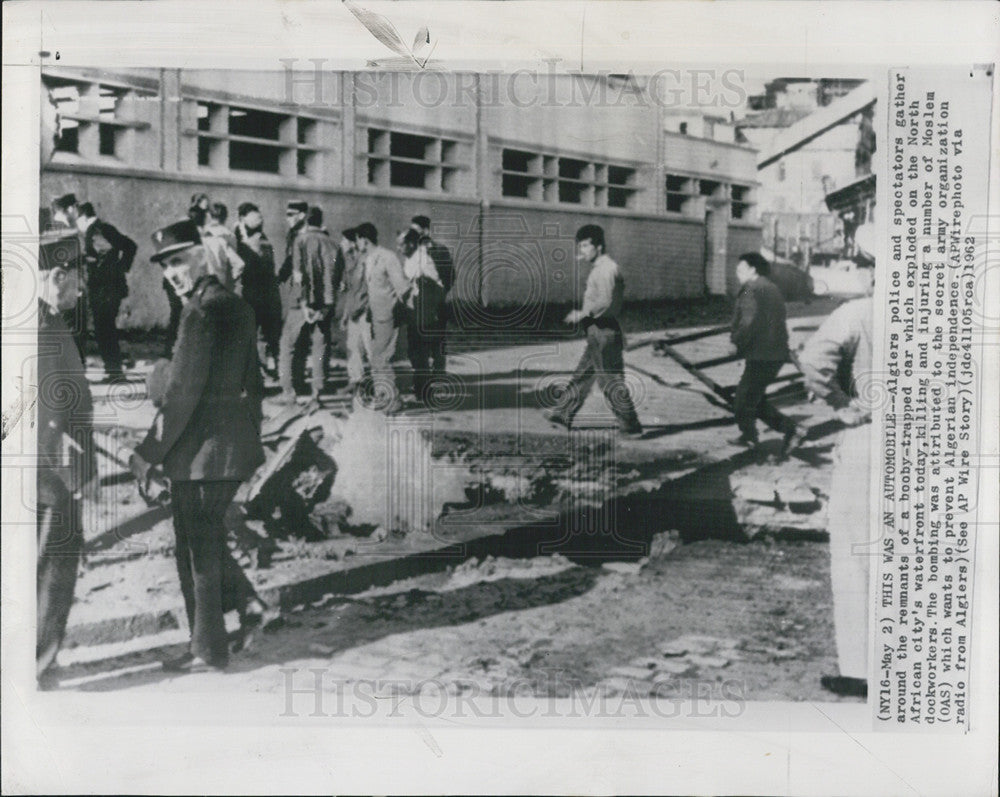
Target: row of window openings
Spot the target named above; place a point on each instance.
(73, 123)
(549, 178)
(682, 191)
(223, 121)
(394, 159)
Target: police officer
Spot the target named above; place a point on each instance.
(207, 438)
(66, 466)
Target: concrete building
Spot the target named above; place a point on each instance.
(791, 199)
(506, 166)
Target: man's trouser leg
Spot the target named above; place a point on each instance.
(582, 380)
(359, 346)
(76, 320)
(105, 312)
(267, 312)
(850, 549)
(384, 337)
(418, 351)
(757, 375)
(199, 509)
(60, 544)
(611, 377)
(321, 341)
(294, 322)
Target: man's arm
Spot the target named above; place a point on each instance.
(821, 359)
(744, 320)
(599, 294)
(397, 277)
(185, 385)
(125, 248)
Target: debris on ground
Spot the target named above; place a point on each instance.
(494, 568)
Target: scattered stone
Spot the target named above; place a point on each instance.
(716, 662)
(633, 673)
(624, 568)
(759, 492)
(663, 543)
(325, 650)
(675, 666)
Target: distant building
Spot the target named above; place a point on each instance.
(796, 220)
(506, 166)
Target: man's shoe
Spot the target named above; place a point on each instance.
(844, 686)
(189, 663)
(632, 432)
(743, 441)
(113, 377)
(556, 418)
(793, 439)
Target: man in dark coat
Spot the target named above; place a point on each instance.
(108, 256)
(761, 338)
(66, 463)
(207, 436)
(259, 280)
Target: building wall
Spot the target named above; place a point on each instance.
(170, 126)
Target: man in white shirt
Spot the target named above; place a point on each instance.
(603, 357)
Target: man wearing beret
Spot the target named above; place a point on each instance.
(207, 437)
(66, 466)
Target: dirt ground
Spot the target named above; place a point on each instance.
(753, 619)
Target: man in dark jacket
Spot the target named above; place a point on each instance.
(295, 218)
(354, 312)
(65, 450)
(108, 256)
(207, 435)
(259, 281)
(316, 277)
(761, 338)
(65, 212)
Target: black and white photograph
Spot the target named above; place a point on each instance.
(405, 388)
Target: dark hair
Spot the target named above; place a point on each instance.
(412, 239)
(367, 231)
(197, 215)
(197, 199)
(65, 201)
(592, 233)
(219, 212)
(350, 234)
(86, 210)
(246, 208)
(315, 216)
(757, 262)
(423, 222)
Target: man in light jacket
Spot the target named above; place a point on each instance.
(387, 292)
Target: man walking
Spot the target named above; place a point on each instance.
(66, 464)
(259, 282)
(603, 356)
(315, 277)
(760, 335)
(387, 290)
(833, 360)
(208, 438)
(108, 255)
